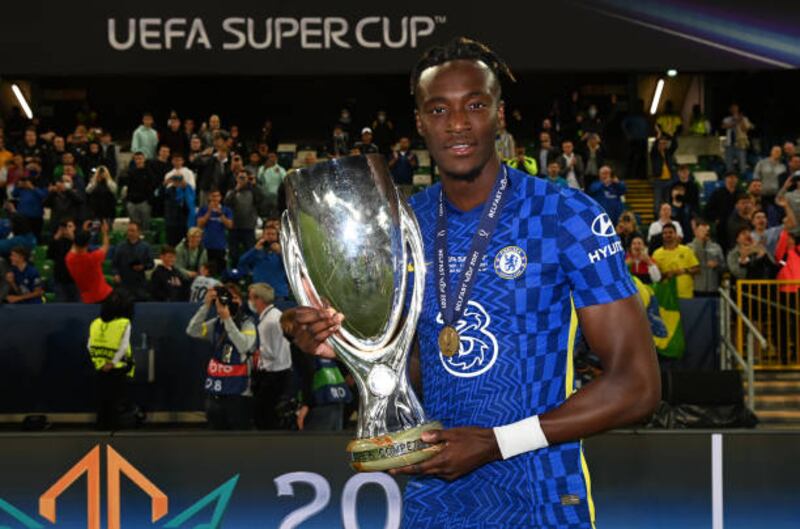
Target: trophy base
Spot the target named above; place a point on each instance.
(392, 450)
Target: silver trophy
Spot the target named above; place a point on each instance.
(349, 241)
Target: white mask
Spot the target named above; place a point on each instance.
(252, 307)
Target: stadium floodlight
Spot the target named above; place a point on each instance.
(657, 96)
(672, 72)
(22, 101)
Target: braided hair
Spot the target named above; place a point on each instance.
(461, 48)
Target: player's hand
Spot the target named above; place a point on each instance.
(310, 327)
(464, 450)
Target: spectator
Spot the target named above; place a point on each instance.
(690, 186)
(669, 125)
(145, 138)
(167, 283)
(545, 152)
(214, 171)
(383, 133)
(190, 254)
(592, 124)
(68, 160)
(179, 207)
(101, 195)
(340, 142)
(160, 166)
(265, 264)
(571, 165)
(594, 157)
(196, 154)
(174, 137)
(110, 351)
(627, 229)
(30, 204)
(664, 219)
(504, 142)
(215, 219)
(635, 129)
(738, 219)
(229, 403)
(63, 285)
(86, 267)
(403, 162)
(365, 146)
(203, 282)
(94, 158)
(109, 152)
(272, 359)
(554, 174)
(523, 163)
(552, 132)
(757, 199)
(787, 255)
(518, 126)
(677, 260)
(750, 260)
(608, 191)
(662, 159)
(254, 162)
(5, 154)
(762, 233)
(789, 199)
(699, 125)
(246, 201)
(21, 235)
(209, 132)
(131, 259)
(720, 205)
(140, 183)
(681, 211)
(270, 177)
(789, 150)
(640, 263)
(31, 147)
(737, 127)
(711, 258)
(25, 285)
(188, 129)
(768, 170)
(178, 168)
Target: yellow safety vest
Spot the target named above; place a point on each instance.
(104, 340)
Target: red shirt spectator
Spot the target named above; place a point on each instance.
(788, 251)
(86, 268)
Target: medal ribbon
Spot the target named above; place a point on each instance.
(453, 308)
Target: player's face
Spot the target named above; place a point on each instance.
(458, 112)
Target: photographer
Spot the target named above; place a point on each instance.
(265, 264)
(232, 333)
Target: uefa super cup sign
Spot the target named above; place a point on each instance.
(348, 240)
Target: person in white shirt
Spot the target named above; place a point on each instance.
(202, 283)
(272, 361)
(664, 218)
(179, 169)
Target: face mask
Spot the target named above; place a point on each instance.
(592, 112)
(252, 307)
(67, 185)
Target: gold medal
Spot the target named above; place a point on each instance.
(449, 340)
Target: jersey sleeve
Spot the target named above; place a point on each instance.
(590, 252)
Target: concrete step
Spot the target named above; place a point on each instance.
(778, 402)
(777, 375)
(775, 387)
(778, 416)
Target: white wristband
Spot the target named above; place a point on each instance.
(520, 437)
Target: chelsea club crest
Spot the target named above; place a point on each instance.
(510, 262)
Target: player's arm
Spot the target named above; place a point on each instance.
(629, 388)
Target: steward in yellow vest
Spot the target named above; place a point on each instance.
(109, 343)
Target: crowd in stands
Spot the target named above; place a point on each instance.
(197, 209)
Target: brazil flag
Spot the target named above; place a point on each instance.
(674, 344)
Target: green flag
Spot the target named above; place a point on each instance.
(673, 345)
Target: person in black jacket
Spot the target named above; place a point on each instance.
(63, 285)
(64, 202)
(141, 183)
(167, 283)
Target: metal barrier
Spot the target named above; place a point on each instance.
(728, 352)
(773, 307)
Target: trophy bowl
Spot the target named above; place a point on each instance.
(351, 243)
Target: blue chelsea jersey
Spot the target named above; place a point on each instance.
(554, 250)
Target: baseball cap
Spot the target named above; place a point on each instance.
(365, 130)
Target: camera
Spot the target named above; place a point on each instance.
(224, 296)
